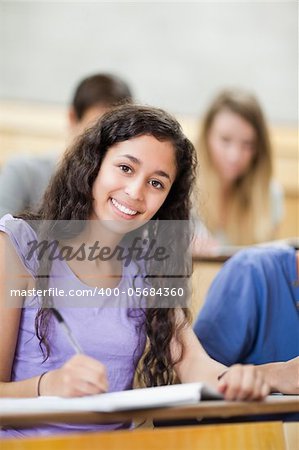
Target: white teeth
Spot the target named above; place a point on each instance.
(123, 208)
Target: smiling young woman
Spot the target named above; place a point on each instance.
(133, 168)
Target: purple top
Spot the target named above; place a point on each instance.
(110, 333)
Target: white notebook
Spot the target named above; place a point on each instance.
(156, 397)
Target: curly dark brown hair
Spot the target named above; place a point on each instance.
(68, 197)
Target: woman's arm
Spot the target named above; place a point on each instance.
(196, 364)
(237, 382)
(14, 277)
(282, 376)
(81, 375)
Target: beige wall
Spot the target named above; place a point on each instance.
(174, 54)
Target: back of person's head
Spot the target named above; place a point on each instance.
(100, 90)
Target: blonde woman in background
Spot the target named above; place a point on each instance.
(239, 203)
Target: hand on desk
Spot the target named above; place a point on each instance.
(288, 382)
(80, 375)
(283, 376)
(243, 382)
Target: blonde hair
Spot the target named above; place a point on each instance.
(248, 215)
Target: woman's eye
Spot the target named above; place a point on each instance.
(156, 184)
(125, 168)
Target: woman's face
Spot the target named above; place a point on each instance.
(232, 145)
(134, 180)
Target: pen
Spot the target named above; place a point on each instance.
(67, 330)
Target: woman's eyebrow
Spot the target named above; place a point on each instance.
(135, 160)
(162, 174)
(131, 158)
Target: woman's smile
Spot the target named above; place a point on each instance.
(123, 210)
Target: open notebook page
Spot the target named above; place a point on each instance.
(156, 397)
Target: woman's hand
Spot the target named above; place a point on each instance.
(283, 376)
(80, 375)
(243, 383)
(287, 376)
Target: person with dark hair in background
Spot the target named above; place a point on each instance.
(23, 180)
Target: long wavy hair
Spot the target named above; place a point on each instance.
(248, 208)
(69, 197)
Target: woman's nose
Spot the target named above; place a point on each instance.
(134, 189)
(234, 153)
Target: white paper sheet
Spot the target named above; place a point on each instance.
(164, 396)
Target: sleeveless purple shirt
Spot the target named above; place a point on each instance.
(107, 329)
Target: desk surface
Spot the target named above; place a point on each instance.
(272, 405)
(256, 436)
